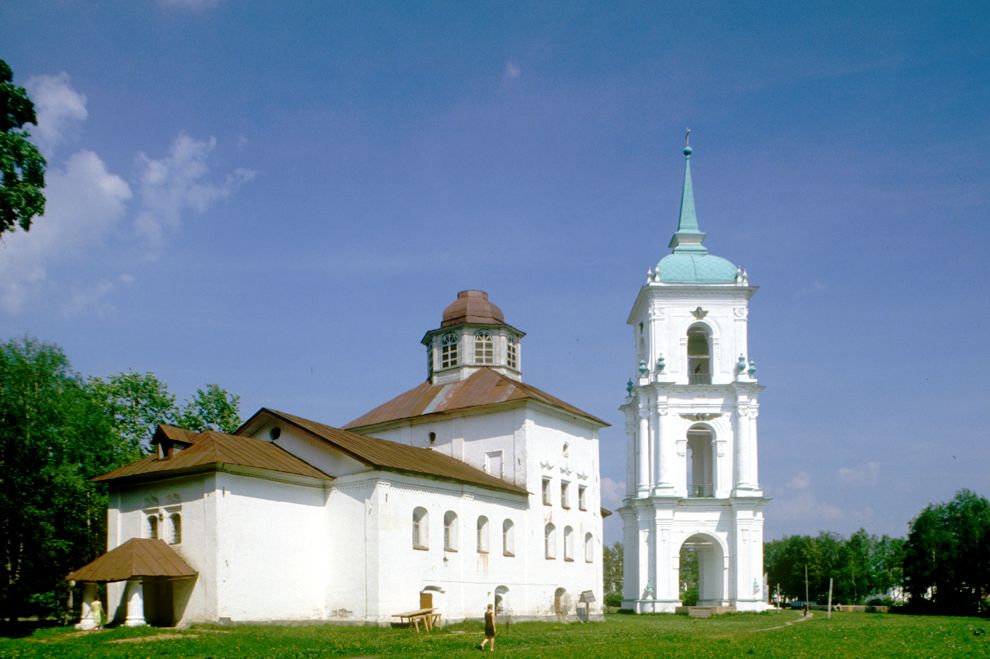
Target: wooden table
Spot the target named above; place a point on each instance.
(429, 618)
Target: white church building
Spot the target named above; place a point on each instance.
(691, 480)
(471, 488)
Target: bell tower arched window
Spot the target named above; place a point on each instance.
(448, 350)
(700, 463)
(699, 350)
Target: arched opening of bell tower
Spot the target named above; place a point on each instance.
(706, 584)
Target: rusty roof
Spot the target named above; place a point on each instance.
(391, 456)
(208, 451)
(483, 388)
(472, 307)
(138, 557)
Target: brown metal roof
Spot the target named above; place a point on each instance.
(392, 456)
(472, 307)
(138, 557)
(208, 451)
(484, 387)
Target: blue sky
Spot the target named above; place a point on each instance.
(282, 198)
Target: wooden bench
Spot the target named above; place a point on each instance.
(429, 618)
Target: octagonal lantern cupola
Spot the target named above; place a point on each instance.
(473, 334)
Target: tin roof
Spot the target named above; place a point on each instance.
(138, 557)
(390, 456)
(483, 388)
(472, 307)
(208, 451)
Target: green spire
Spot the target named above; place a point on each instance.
(688, 237)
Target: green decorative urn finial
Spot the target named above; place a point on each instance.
(741, 364)
(752, 369)
(629, 387)
(644, 370)
(661, 363)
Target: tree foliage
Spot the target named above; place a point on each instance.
(861, 567)
(139, 402)
(22, 167)
(612, 571)
(58, 431)
(947, 556)
(54, 437)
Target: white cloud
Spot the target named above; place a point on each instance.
(94, 297)
(178, 182)
(511, 71)
(59, 107)
(800, 481)
(612, 492)
(84, 201)
(860, 475)
(805, 508)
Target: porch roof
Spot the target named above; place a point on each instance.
(138, 557)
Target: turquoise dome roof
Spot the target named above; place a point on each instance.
(690, 262)
(695, 268)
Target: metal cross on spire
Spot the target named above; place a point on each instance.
(687, 137)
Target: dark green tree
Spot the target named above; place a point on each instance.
(947, 556)
(211, 409)
(612, 572)
(54, 437)
(138, 402)
(22, 167)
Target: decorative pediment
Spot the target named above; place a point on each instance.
(546, 465)
(700, 416)
(699, 313)
(581, 476)
(564, 469)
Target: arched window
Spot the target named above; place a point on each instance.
(550, 541)
(175, 528)
(511, 352)
(448, 350)
(508, 538)
(484, 347)
(450, 531)
(699, 355)
(421, 529)
(700, 463)
(152, 526)
(482, 535)
(589, 548)
(568, 543)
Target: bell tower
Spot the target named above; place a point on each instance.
(692, 487)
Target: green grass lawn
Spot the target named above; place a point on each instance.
(774, 634)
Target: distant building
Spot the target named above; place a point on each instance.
(471, 488)
(691, 482)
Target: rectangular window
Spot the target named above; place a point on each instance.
(547, 501)
(565, 494)
(582, 497)
(511, 352)
(493, 463)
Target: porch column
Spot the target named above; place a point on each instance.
(135, 604)
(88, 621)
